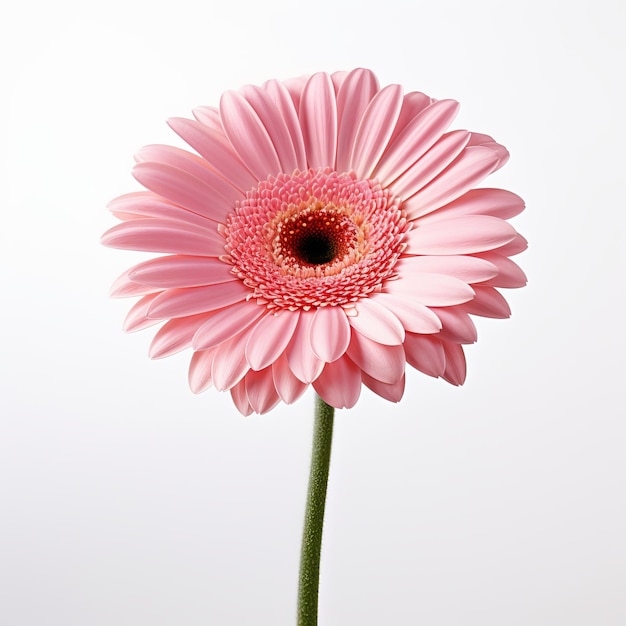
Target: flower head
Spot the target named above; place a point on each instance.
(327, 232)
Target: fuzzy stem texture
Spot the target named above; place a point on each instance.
(314, 514)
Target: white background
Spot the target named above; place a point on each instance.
(128, 501)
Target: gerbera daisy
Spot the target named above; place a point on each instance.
(327, 232)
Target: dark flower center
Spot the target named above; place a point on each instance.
(316, 236)
(315, 249)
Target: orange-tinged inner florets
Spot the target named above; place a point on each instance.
(314, 236)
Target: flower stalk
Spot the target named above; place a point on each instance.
(308, 589)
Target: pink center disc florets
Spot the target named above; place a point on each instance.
(315, 238)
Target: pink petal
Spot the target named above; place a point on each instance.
(339, 384)
(217, 152)
(158, 235)
(458, 326)
(509, 274)
(318, 118)
(431, 289)
(358, 88)
(229, 362)
(384, 363)
(375, 128)
(519, 244)
(175, 335)
(300, 356)
(182, 188)
(240, 398)
(456, 367)
(193, 166)
(295, 86)
(209, 116)
(459, 235)
(269, 337)
(272, 119)
(181, 271)
(464, 173)
(287, 111)
(425, 353)
(226, 323)
(184, 302)
(416, 138)
(260, 389)
(377, 322)
(479, 139)
(288, 387)
(125, 287)
(464, 268)
(330, 333)
(414, 316)
(137, 318)
(413, 103)
(494, 202)
(143, 204)
(393, 392)
(248, 135)
(430, 165)
(200, 377)
(338, 79)
(488, 303)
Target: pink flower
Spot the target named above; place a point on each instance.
(326, 232)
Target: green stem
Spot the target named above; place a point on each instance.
(314, 514)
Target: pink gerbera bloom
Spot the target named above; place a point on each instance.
(326, 232)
